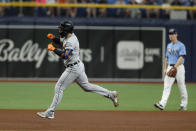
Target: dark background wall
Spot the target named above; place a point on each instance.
(186, 31)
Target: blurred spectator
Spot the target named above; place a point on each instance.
(2, 9)
(188, 2)
(26, 11)
(111, 12)
(153, 12)
(87, 12)
(102, 11)
(50, 11)
(175, 14)
(40, 11)
(121, 12)
(143, 10)
(61, 10)
(67, 11)
(176, 3)
(165, 12)
(111, 1)
(133, 13)
(20, 9)
(7, 11)
(183, 2)
(192, 13)
(82, 12)
(71, 11)
(140, 1)
(92, 12)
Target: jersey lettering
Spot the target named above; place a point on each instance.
(174, 51)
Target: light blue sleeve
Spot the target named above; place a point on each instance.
(182, 51)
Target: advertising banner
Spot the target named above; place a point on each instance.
(107, 52)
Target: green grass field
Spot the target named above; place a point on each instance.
(140, 97)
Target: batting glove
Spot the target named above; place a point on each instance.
(50, 36)
(51, 47)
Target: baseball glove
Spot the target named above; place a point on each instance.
(172, 72)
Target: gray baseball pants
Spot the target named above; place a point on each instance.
(75, 73)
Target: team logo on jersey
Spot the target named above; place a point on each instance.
(173, 51)
(130, 55)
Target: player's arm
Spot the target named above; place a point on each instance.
(166, 61)
(182, 53)
(165, 65)
(64, 54)
(180, 59)
(55, 39)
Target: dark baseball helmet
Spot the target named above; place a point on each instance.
(65, 27)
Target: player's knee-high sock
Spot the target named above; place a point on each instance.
(168, 82)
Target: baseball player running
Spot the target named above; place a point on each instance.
(74, 68)
(174, 69)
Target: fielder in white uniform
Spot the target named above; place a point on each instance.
(175, 54)
(74, 69)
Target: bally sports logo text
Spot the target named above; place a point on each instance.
(31, 52)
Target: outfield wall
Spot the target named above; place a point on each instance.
(112, 49)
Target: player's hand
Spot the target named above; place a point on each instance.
(51, 47)
(50, 36)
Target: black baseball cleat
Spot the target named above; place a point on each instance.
(182, 108)
(159, 106)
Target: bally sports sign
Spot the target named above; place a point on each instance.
(126, 53)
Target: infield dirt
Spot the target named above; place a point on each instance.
(22, 120)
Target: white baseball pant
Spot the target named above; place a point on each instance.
(168, 82)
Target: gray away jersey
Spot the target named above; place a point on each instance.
(72, 43)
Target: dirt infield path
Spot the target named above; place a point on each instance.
(22, 120)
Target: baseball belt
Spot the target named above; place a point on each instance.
(69, 65)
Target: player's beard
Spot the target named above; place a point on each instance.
(61, 39)
(62, 34)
